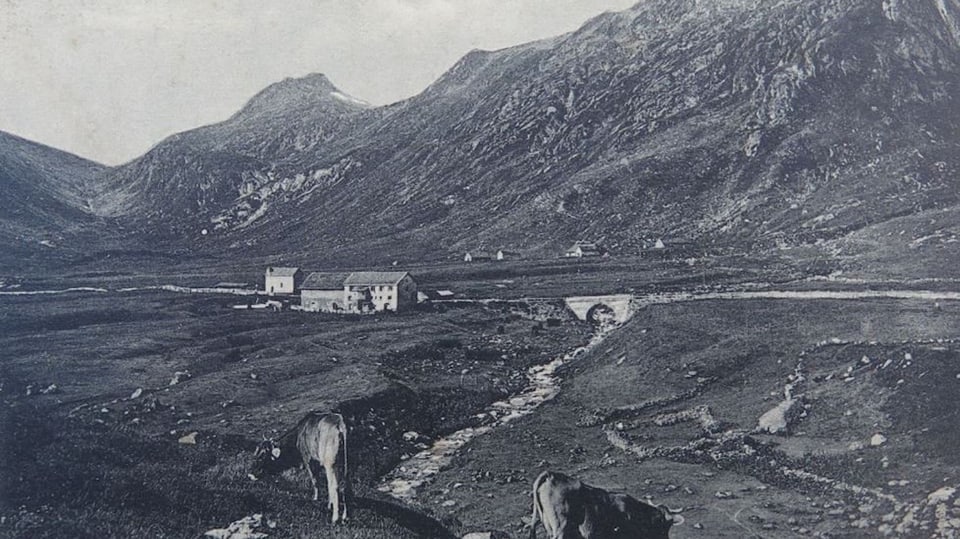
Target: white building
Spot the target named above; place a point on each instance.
(366, 291)
(282, 280)
(581, 249)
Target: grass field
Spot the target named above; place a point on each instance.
(631, 417)
(98, 389)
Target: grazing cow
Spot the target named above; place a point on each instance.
(318, 437)
(570, 509)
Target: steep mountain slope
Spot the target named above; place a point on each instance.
(730, 121)
(45, 194)
(191, 175)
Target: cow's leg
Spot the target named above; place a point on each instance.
(333, 491)
(313, 478)
(341, 492)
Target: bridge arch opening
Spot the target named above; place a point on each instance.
(601, 313)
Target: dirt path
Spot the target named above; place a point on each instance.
(675, 297)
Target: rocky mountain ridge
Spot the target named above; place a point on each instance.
(733, 122)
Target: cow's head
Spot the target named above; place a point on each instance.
(268, 458)
(646, 520)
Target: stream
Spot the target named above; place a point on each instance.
(543, 384)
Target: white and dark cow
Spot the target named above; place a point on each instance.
(318, 436)
(571, 509)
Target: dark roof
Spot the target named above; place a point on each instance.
(321, 280)
(278, 271)
(374, 277)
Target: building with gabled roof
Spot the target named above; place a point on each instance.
(323, 292)
(581, 249)
(367, 291)
(477, 256)
(282, 280)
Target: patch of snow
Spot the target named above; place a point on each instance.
(348, 99)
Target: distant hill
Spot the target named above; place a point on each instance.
(725, 122)
(44, 200)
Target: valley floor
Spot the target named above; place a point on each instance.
(669, 409)
(99, 392)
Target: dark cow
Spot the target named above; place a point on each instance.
(571, 509)
(319, 437)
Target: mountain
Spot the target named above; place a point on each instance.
(734, 122)
(188, 177)
(45, 201)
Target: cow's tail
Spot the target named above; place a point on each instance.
(342, 428)
(537, 507)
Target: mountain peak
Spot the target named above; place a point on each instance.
(296, 93)
(311, 81)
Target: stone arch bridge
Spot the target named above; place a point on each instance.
(595, 308)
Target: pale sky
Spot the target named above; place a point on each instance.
(108, 79)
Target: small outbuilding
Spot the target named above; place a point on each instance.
(582, 249)
(434, 295)
(477, 256)
(507, 255)
(282, 280)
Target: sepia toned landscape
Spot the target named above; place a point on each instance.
(702, 253)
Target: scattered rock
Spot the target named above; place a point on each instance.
(190, 439)
(136, 393)
(496, 534)
(776, 420)
(878, 440)
(178, 377)
(245, 528)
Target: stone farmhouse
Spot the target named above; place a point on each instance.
(282, 280)
(380, 291)
(322, 291)
(358, 292)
